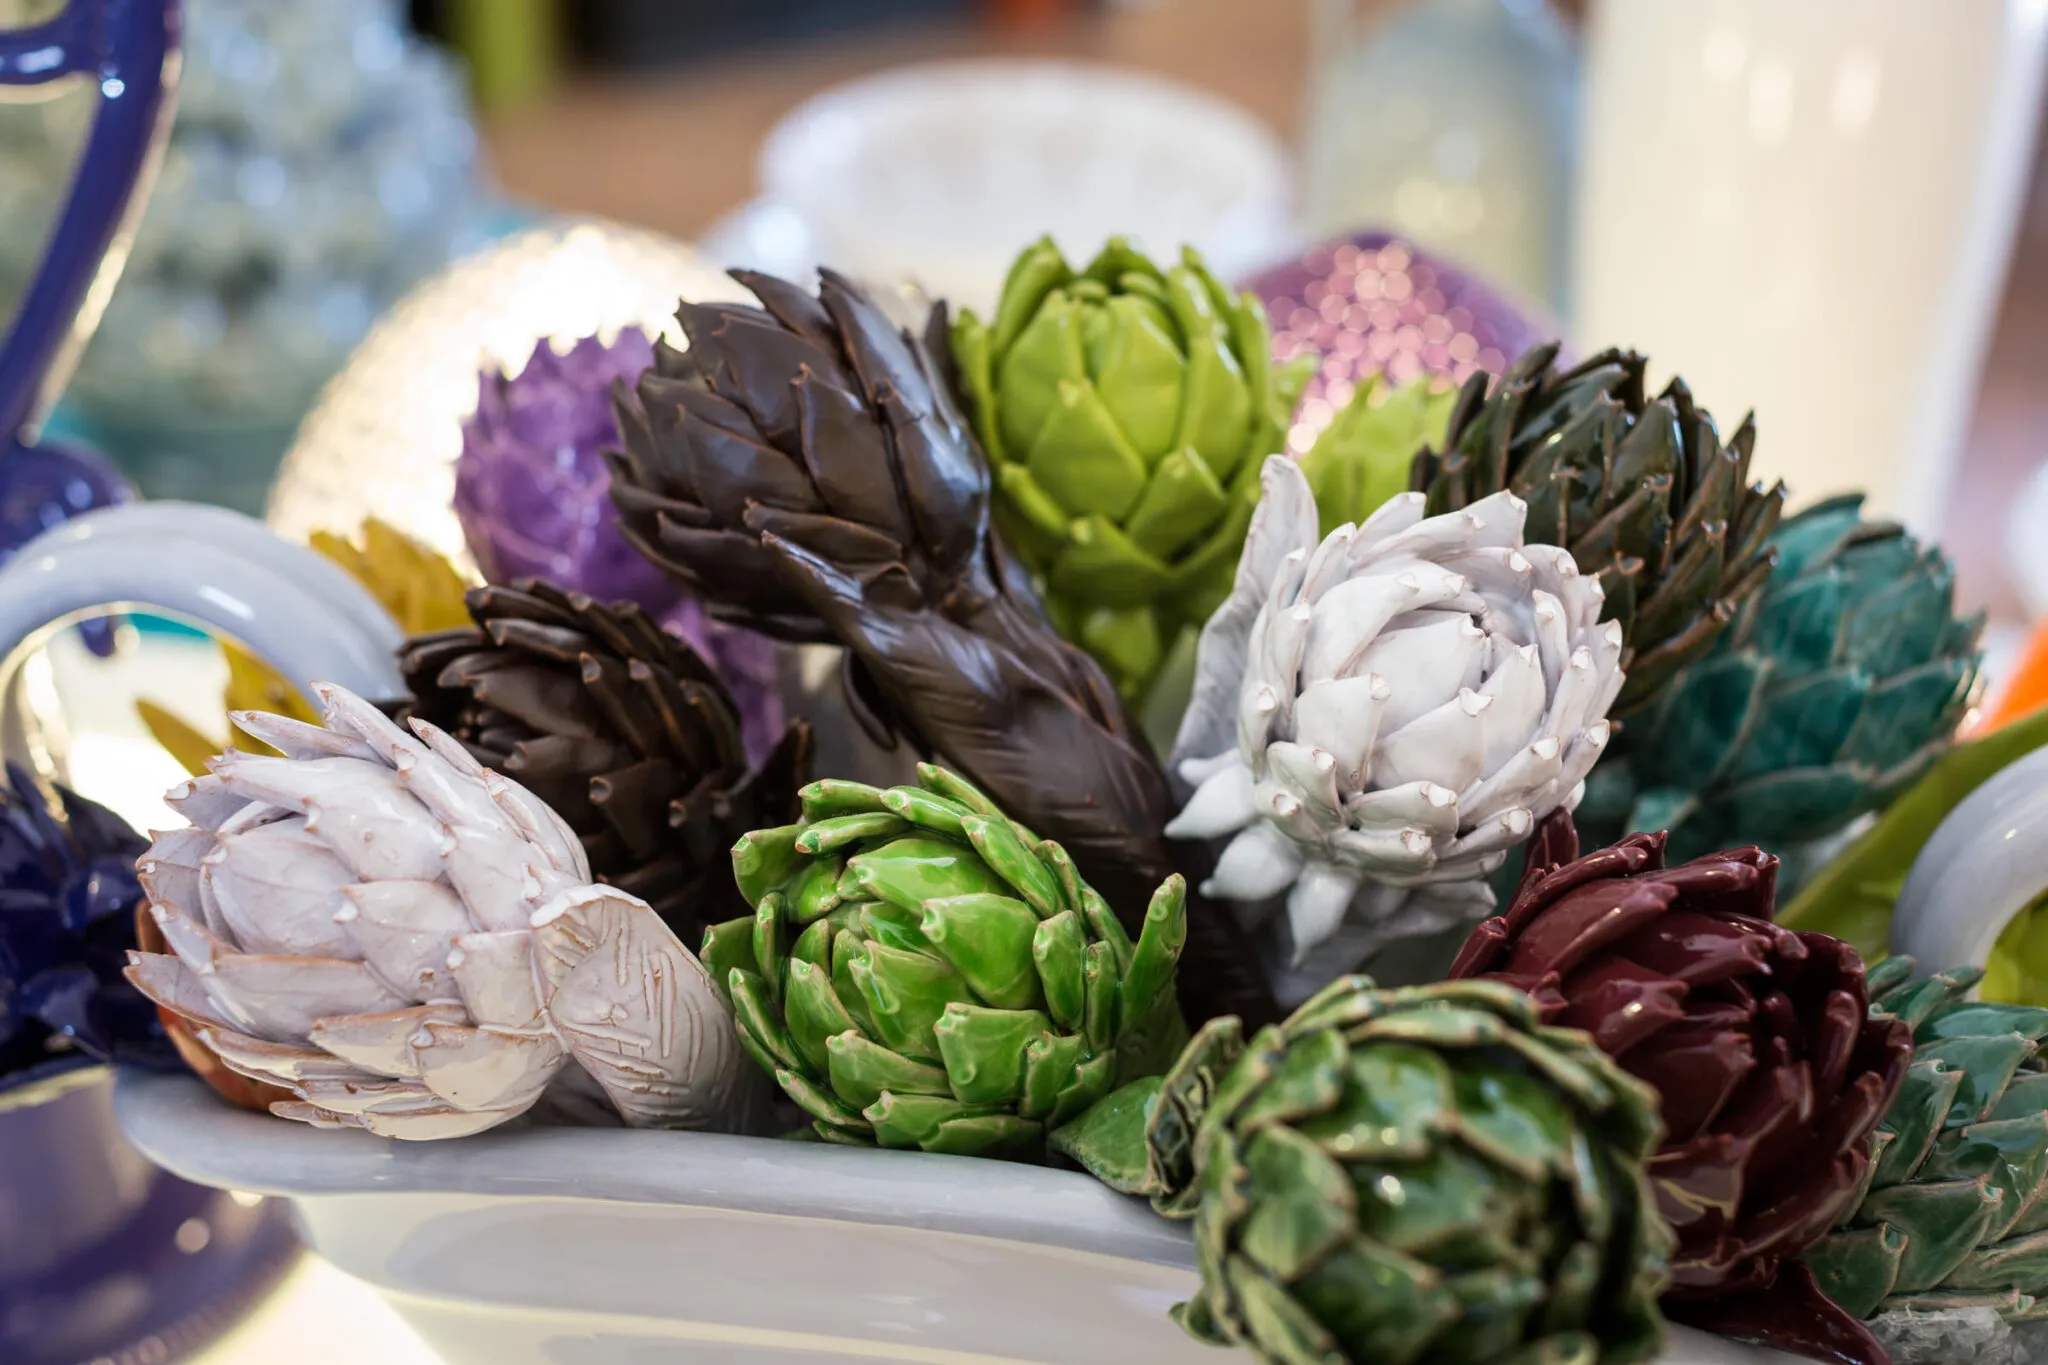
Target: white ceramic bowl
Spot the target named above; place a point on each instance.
(586, 1246)
(944, 171)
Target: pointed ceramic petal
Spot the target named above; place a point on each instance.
(1342, 717)
(297, 739)
(313, 1116)
(499, 876)
(360, 808)
(639, 1012)
(361, 1095)
(1284, 522)
(278, 1063)
(1221, 805)
(277, 888)
(1258, 863)
(1427, 806)
(404, 931)
(1520, 701)
(537, 820)
(382, 1044)
(1316, 905)
(168, 982)
(283, 996)
(1444, 746)
(205, 801)
(433, 1125)
(494, 975)
(479, 1068)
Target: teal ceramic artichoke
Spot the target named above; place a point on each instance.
(1953, 1216)
(1830, 693)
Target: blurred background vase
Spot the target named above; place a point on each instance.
(1452, 122)
(321, 161)
(1808, 210)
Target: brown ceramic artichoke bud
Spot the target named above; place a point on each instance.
(804, 469)
(620, 727)
(1772, 1071)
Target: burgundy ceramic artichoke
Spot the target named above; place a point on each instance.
(1759, 1039)
(1373, 304)
(533, 494)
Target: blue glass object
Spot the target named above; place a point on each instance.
(127, 45)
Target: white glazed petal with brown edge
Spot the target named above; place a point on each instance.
(410, 943)
(1381, 715)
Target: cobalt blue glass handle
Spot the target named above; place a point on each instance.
(130, 48)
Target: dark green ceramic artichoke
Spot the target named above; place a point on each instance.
(1641, 490)
(1411, 1177)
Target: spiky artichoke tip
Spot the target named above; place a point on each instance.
(1124, 408)
(922, 971)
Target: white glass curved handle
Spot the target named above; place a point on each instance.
(210, 567)
(1986, 862)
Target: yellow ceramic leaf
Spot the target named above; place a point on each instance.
(180, 740)
(421, 589)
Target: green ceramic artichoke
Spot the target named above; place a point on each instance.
(1954, 1215)
(1125, 409)
(1830, 693)
(1411, 1177)
(922, 971)
(1364, 456)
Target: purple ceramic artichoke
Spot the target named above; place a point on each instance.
(531, 490)
(1374, 304)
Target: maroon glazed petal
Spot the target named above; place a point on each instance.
(1621, 1003)
(1774, 1110)
(1584, 921)
(1555, 843)
(1482, 950)
(1832, 1044)
(1635, 854)
(1791, 1314)
(1699, 1188)
(1698, 949)
(1695, 1073)
(1743, 881)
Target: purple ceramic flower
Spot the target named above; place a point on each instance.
(531, 490)
(1374, 304)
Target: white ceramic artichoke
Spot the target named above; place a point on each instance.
(412, 944)
(1377, 719)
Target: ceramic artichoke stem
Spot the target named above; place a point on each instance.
(1124, 409)
(411, 943)
(922, 971)
(1411, 1177)
(1771, 1069)
(803, 468)
(1382, 713)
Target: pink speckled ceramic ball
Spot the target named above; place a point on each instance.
(1374, 304)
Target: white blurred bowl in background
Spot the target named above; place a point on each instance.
(944, 171)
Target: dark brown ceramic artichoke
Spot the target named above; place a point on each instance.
(803, 468)
(618, 725)
(1772, 1071)
(1641, 490)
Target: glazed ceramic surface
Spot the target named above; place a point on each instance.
(594, 1247)
(1986, 862)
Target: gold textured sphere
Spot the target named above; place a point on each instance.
(384, 435)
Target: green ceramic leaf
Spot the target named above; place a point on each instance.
(1852, 896)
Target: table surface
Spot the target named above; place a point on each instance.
(676, 152)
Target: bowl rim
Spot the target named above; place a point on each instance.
(181, 1125)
